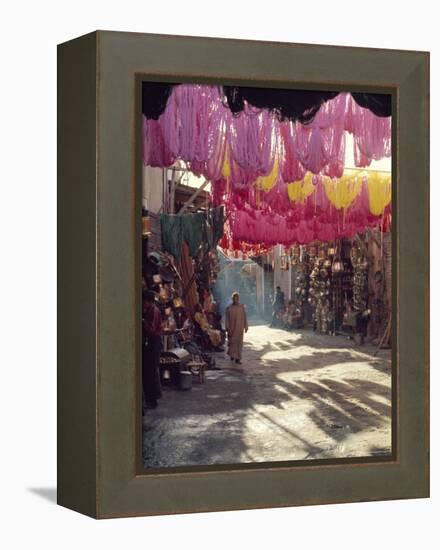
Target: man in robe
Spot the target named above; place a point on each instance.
(236, 326)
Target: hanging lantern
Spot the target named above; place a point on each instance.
(283, 263)
(337, 266)
(294, 255)
(354, 254)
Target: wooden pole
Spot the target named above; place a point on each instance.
(193, 196)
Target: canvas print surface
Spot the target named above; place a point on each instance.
(266, 275)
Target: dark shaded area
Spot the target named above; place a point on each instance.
(155, 97)
(379, 104)
(301, 105)
(295, 105)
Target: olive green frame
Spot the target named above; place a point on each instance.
(99, 470)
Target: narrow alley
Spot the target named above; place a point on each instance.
(297, 395)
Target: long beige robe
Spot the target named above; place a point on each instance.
(236, 324)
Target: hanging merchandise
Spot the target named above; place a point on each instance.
(196, 126)
(295, 255)
(343, 191)
(216, 222)
(379, 193)
(360, 280)
(299, 191)
(371, 133)
(281, 181)
(194, 231)
(302, 284)
(320, 296)
(172, 234)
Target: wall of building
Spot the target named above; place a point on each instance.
(152, 188)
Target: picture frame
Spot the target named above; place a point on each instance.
(99, 425)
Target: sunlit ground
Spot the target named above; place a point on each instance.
(296, 396)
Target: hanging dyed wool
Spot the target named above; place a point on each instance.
(252, 140)
(379, 193)
(298, 191)
(371, 133)
(342, 192)
(266, 183)
(291, 169)
(321, 145)
(197, 127)
(156, 151)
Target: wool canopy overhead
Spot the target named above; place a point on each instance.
(199, 129)
(294, 105)
(280, 180)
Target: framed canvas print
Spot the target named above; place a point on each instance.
(242, 274)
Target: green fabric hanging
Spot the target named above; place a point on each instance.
(194, 231)
(216, 220)
(172, 234)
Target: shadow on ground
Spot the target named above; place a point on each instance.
(296, 396)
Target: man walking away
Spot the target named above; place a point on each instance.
(236, 325)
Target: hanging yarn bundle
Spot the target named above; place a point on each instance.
(281, 181)
(197, 127)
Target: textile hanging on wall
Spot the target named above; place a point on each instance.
(194, 231)
(172, 234)
(216, 220)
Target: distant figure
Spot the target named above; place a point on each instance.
(236, 325)
(151, 331)
(277, 306)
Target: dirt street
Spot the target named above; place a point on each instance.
(297, 395)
